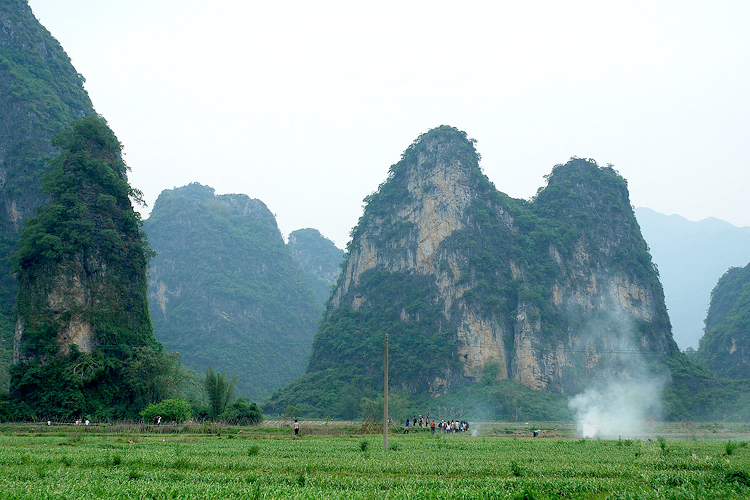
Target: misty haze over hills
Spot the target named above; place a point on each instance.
(691, 257)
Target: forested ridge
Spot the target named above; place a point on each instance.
(225, 291)
(725, 346)
(319, 259)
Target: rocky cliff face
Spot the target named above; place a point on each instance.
(40, 94)
(553, 292)
(224, 290)
(83, 340)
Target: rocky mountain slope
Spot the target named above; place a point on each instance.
(319, 259)
(83, 339)
(551, 293)
(691, 256)
(224, 290)
(725, 346)
(40, 95)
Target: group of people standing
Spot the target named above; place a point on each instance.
(444, 426)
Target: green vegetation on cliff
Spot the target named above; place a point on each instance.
(347, 360)
(86, 344)
(40, 95)
(725, 346)
(224, 290)
(319, 259)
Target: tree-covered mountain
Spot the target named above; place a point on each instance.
(474, 286)
(725, 346)
(225, 291)
(319, 258)
(84, 342)
(40, 95)
(691, 256)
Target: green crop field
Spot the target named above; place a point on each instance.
(37, 462)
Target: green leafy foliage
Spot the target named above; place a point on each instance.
(242, 412)
(695, 393)
(40, 95)
(219, 390)
(170, 410)
(82, 265)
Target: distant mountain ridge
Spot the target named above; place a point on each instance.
(691, 257)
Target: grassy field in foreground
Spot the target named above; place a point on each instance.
(74, 463)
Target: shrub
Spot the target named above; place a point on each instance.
(12, 411)
(242, 412)
(730, 447)
(177, 410)
(291, 411)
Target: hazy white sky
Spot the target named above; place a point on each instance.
(305, 105)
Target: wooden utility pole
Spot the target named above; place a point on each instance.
(385, 398)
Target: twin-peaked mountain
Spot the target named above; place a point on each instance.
(468, 282)
(225, 291)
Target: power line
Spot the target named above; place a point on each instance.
(215, 345)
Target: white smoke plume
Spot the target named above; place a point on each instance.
(618, 408)
(629, 396)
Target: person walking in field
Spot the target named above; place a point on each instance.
(296, 428)
(406, 429)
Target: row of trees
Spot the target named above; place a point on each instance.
(221, 404)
